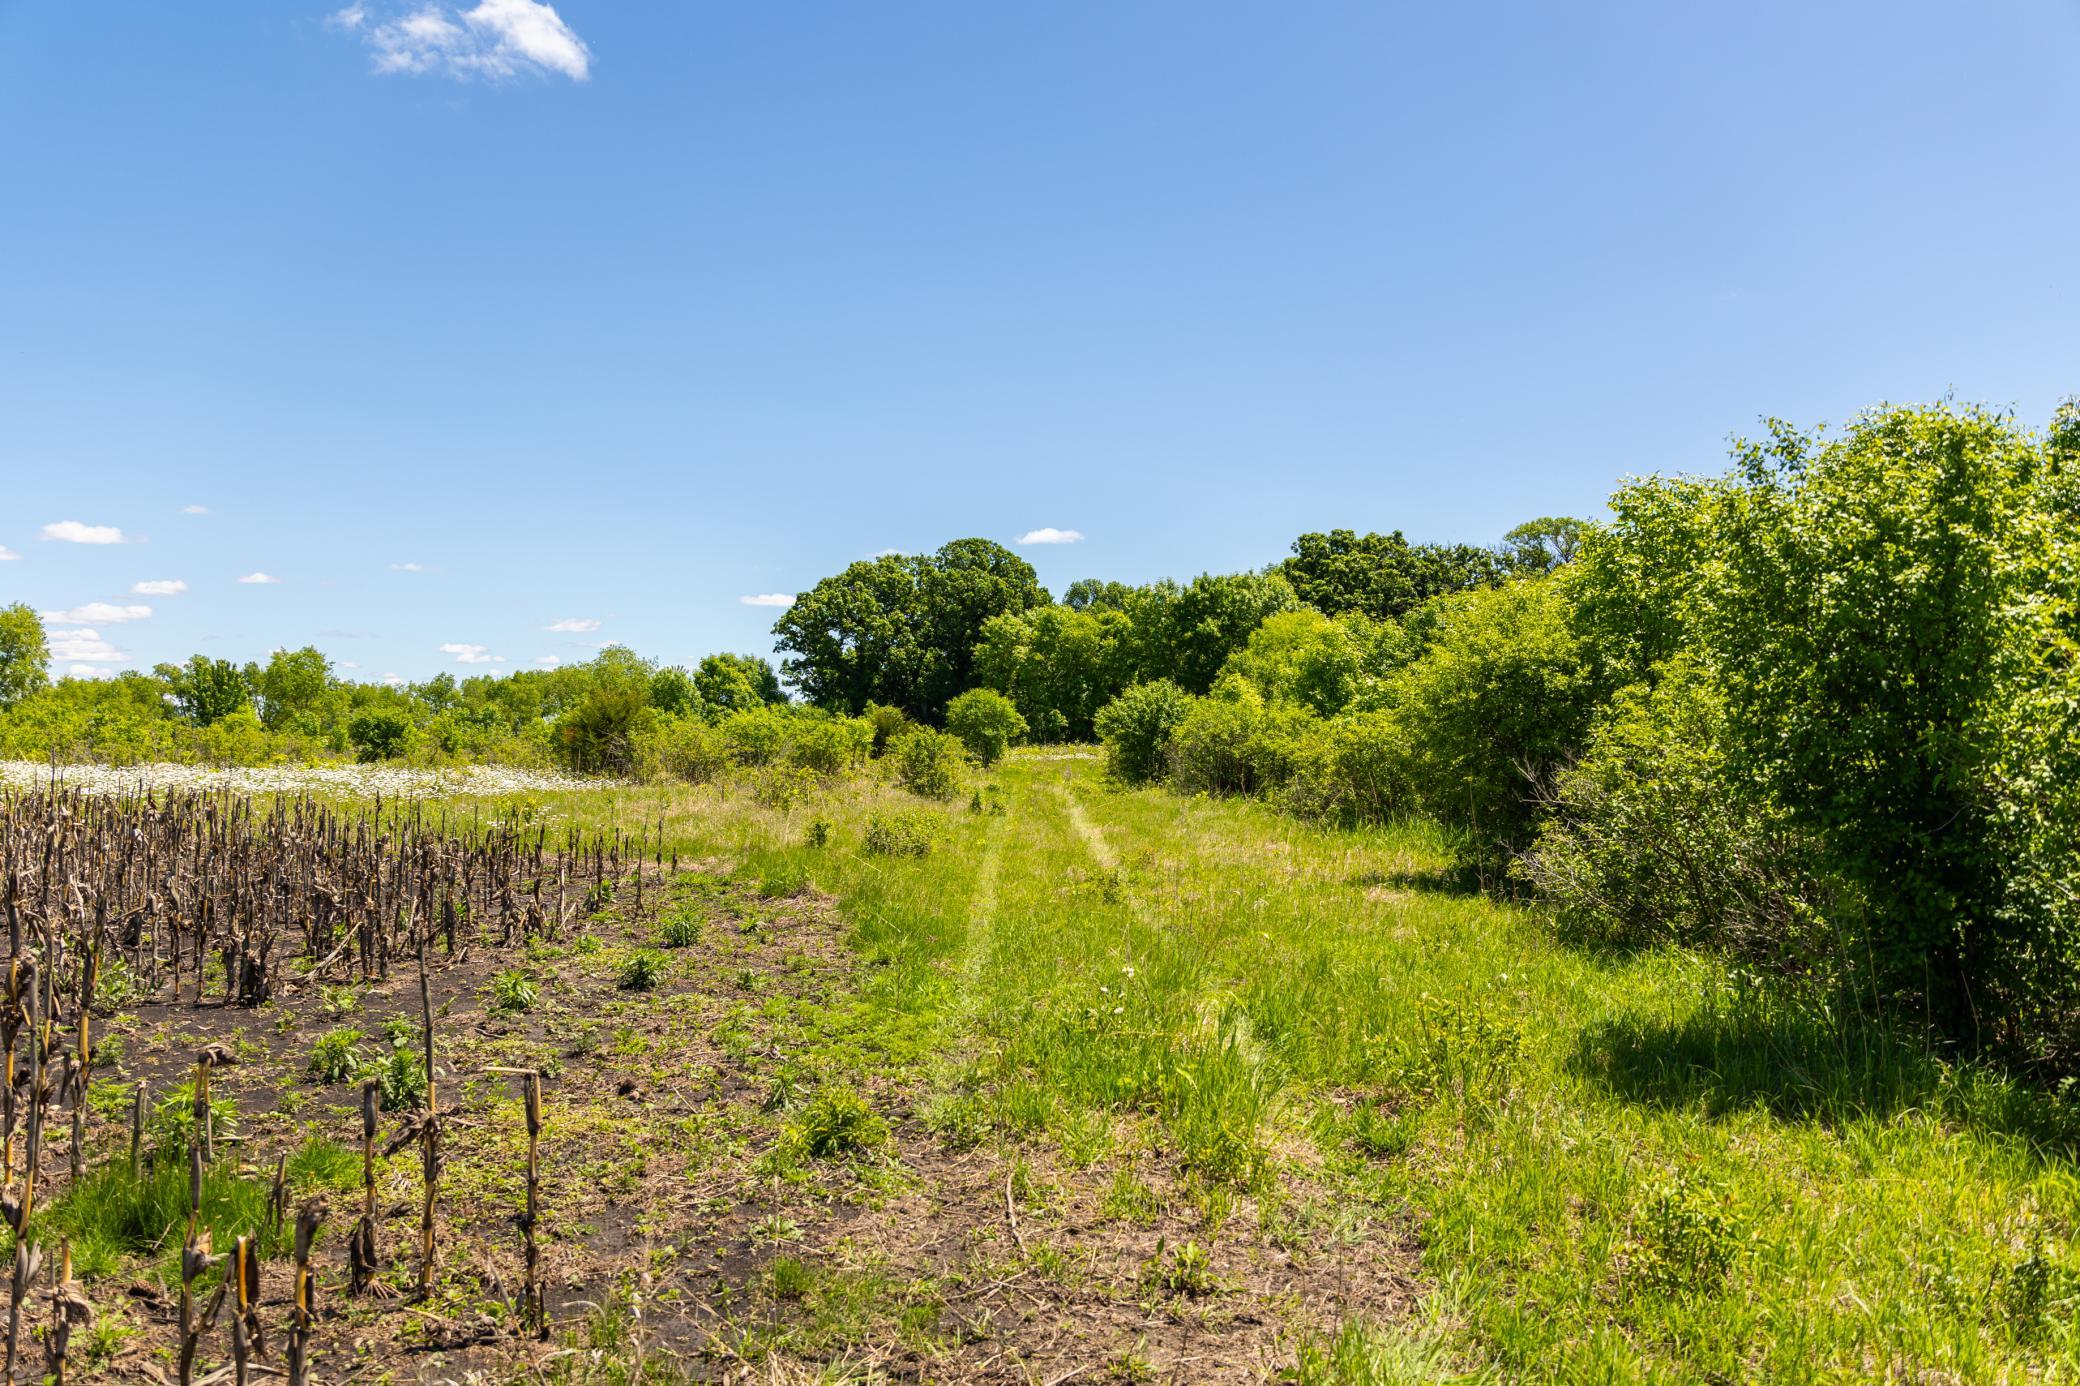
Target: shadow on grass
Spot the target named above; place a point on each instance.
(1794, 1061)
(1435, 880)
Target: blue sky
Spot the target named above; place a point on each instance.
(620, 313)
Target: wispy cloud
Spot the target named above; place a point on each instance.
(97, 614)
(471, 654)
(73, 532)
(8, 555)
(194, 510)
(494, 38)
(573, 625)
(409, 568)
(886, 553)
(259, 579)
(159, 587)
(1050, 536)
(548, 661)
(88, 671)
(84, 647)
(768, 599)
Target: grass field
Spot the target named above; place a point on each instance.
(1618, 1167)
(1119, 1085)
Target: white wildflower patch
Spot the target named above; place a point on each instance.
(355, 781)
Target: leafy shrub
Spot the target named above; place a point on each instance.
(642, 971)
(986, 722)
(1355, 769)
(899, 835)
(928, 763)
(1232, 742)
(755, 736)
(1652, 838)
(1136, 728)
(829, 746)
(336, 1056)
(886, 724)
(819, 832)
(684, 748)
(1497, 702)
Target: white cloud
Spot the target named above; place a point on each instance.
(573, 625)
(167, 587)
(194, 510)
(8, 555)
(97, 614)
(471, 654)
(886, 553)
(88, 671)
(768, 599)
(84, 647)
(393, 680)
(73, 532)
(259, 579)
(493, 38)
(1050, 536)
(344, 664)
(409, 568)
(548, 661)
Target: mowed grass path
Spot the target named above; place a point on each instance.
(1621, 1166)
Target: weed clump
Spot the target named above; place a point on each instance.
(679, 931)
(1686, 1242)
(908, 834)
(642, 972)
(336, 1057)
(514, 990)
(837, 1121)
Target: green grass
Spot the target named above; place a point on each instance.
(1628, 1167)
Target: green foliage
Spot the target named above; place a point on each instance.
(727, 683)
(1685, 1241)
(513, 990)
(674, 693)
(1383, 576)
(1894, 639)
(901, 631)
(928, 763)
(1234, 742)
(681, 929)
(1058, 665)
(682, 748)
(909, 834)
(25, 657)
(1184, 1270)
(886, 723)
(336, 1056)
(604, 733)
(642, 971)
(294, 687)
(837, 1121)
(1136, 728)
(1498, 701)
(1652, 838)
(380, 734)
(986, 722)
(1541, 545)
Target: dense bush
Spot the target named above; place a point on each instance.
(380, 734)
(1498, 701)
(927, 762)
(986, 723)
(1652, 838)
(1136, 728)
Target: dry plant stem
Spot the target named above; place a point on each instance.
(430, 1156)
(361, 1248)
(303, 1298)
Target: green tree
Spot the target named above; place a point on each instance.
(380, 734)
(602, 734)
(25, 657)
(987, 723)
(1058, 665)
(674, 693)
(901, 631)
(205, 690)
(1383, 575)
(1541, 545)
(1185, 634)
(293, 686)
(729, 683)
